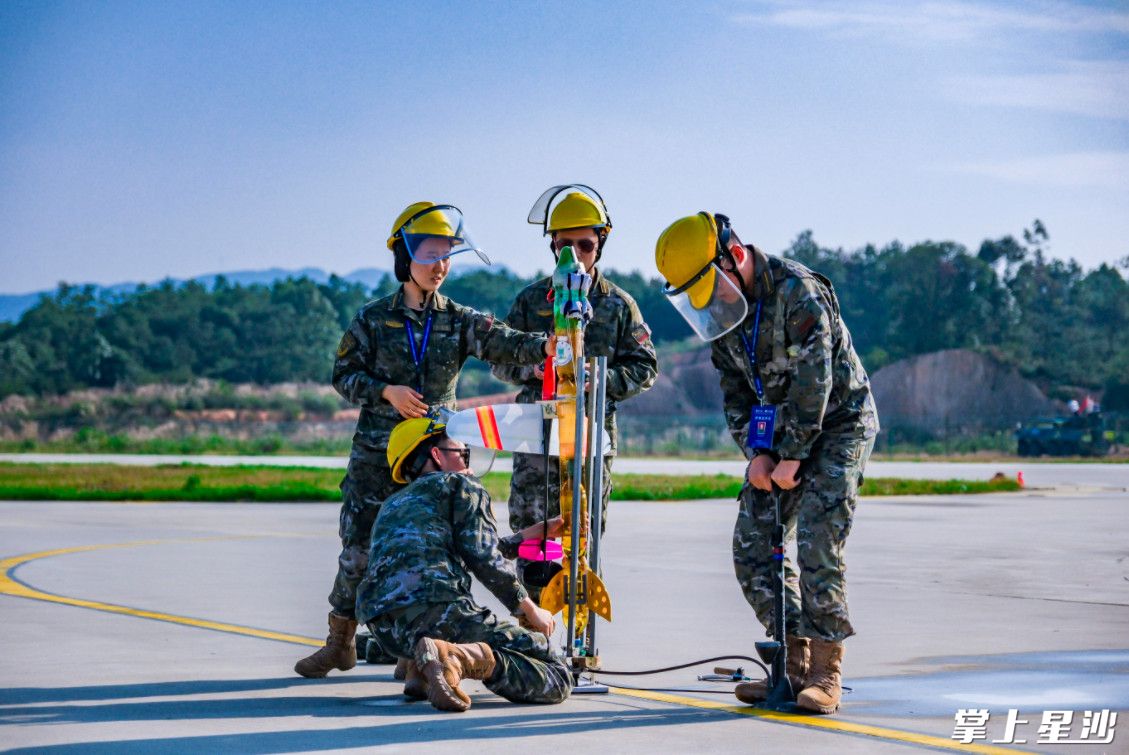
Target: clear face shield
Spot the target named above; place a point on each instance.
(543, 208)
(481, 461)
(710, 302)
(438, 233)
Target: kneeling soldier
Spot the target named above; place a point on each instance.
(416, 597)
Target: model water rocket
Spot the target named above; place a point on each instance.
(578, 585)
(556, 427)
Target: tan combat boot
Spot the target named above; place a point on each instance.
(340, 651)
(824, 682)
(444, 664)
(797, 669)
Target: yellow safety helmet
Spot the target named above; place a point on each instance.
(418, 221)
(406, 438)
(684, 250)
(577, 210)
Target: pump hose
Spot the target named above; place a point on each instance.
(680, 666)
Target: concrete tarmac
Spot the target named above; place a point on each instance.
(178, 625)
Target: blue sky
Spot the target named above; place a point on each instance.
(143, 140)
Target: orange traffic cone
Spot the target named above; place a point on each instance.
(1019, 479)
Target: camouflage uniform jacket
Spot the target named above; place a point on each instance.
(374, 353)
(807, 363)
(616, 331)
(434, 534)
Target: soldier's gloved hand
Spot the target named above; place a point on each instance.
(760, 472)
(405, 400)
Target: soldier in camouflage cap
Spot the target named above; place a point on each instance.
(575, 215)
(416, 598)
(798, 403)
(399, 358)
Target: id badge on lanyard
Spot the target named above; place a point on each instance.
(762, 420)
(418, 354)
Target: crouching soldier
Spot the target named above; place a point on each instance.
(416, 599)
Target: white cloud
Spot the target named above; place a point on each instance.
(1075, 170)
(942, 21)
(1096, 89)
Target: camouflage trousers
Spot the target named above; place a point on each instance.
(363, 490)
(527, 497)
(817, 515)
(528, 670)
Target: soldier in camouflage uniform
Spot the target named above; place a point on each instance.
(575, 216)
(401, 356)
(416, 597)
(787, 348)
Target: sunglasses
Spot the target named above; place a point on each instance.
(464, 453)
(585, 246)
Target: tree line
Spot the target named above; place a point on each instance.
(1066, 328)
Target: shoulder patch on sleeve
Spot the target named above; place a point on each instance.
(485, 323)
(804, 324)
(641, 333)
(348, 343)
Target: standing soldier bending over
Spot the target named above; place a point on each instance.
(798, 403)
(416, 597)
(575, 215)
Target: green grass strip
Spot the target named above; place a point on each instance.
(186, 482)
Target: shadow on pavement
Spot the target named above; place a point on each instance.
(33, 695)
(426, 724)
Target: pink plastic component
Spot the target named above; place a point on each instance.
(530, 550)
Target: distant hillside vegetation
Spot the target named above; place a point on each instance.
(1064, 329)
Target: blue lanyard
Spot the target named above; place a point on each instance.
(751, 352)
(417, 356)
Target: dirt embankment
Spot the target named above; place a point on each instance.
(956, 391)
(943, 393)
(687, 385)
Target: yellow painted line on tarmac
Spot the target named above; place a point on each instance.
(818, 722)
(10, 586)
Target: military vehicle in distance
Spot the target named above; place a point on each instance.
(1076, 435)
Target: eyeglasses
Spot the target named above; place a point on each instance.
(586, 246)
(464, 453)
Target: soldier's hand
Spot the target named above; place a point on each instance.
(405, 400)
(536, 531)
(556, 527)
(785, 474)
(538, 619)
(760, 472)
(539, 371)
(550, 346)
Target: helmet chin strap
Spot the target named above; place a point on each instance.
(426, 294)
(745, 289)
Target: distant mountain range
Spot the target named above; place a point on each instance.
(14, 305)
